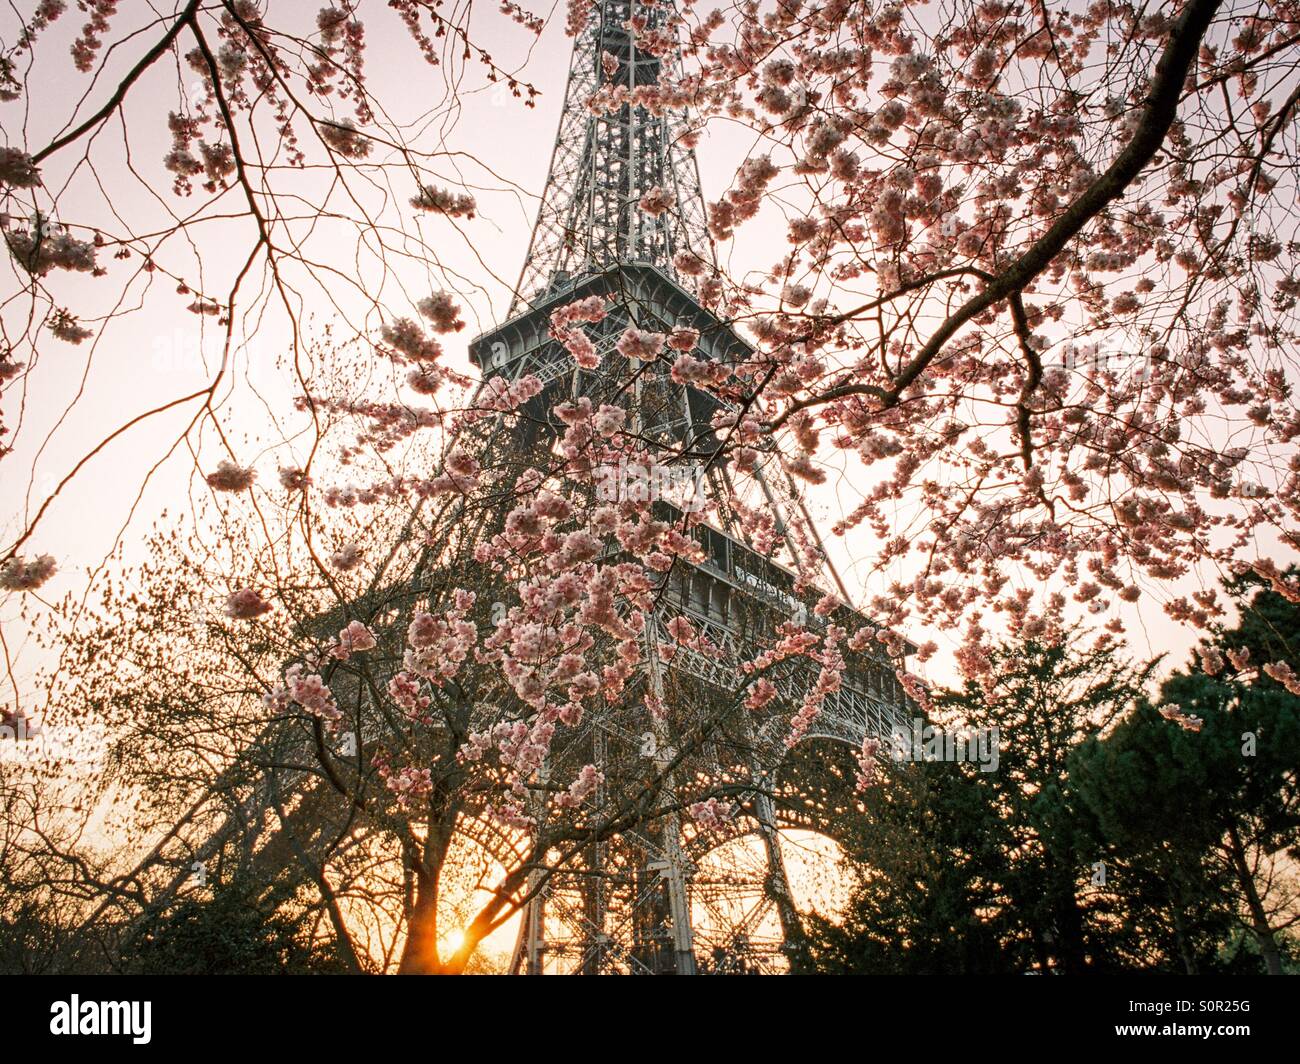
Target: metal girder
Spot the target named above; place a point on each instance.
(605, 160)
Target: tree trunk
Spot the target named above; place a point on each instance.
(1258, 917)
(1180, 936)
(420, 953)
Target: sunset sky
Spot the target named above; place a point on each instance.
(79, 394)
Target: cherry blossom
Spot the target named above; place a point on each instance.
(444, 201)
(20, 574)
(294, 479)
(1176, 713)
(231, 477)
(583, 787)
(657, 201)
(565, 323)
(39, 250)
(66, 328)
(246, 604)
(17, 169)
(441, 309)
(408, 785)
(710, 814)
(353, 639)
(309, 690)
(640, 345)
(1282, 672)
(407, 339)
(868, 764)
(342, 136)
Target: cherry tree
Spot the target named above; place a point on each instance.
(403, 717)
(213, 159)
(1037, 301)
(1039, 290)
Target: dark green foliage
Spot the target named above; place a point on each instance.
(1196, 832)
(929, 900)
(1211, 816)
(225, 932)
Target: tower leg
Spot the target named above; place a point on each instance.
(674, 872)
(595, 902)
(777, 884)
(534, 936)
(530, 946)
(678, 899)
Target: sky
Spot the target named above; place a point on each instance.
(77, 395)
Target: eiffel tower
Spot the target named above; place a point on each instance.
(666, 895)
(669, 897)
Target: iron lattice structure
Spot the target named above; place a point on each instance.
(661, 895)
(665, 896)
(605, 161)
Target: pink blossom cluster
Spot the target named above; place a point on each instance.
(437, 645)
(294, 479)
(830, 679)
(565, 322)
(343, 137)
(527, 19)
(500, 395)
(353, 639)
(17, 169)
(511, 814)
(699, 373)
(20, 574)
(404, 689)
(868, 764)
(409, 785)
(441, 309)
(347, 557)
(407, 340)
(711, 814)
(47, 247)
(246, 604)
(1282, 672)
(760, 694)
(460, 473)
(1176, 713)
(657, 201)
(307, 689)
(742, 202)
(231, 477)
(65, 327)
(444, 201)
(191, 155)
(589, 778)
(639, 345)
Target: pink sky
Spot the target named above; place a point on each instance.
(77, 395)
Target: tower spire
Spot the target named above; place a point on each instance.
(607, 159)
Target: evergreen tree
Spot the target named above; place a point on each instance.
(928, 898)
(965, 870)
(1213, 815)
